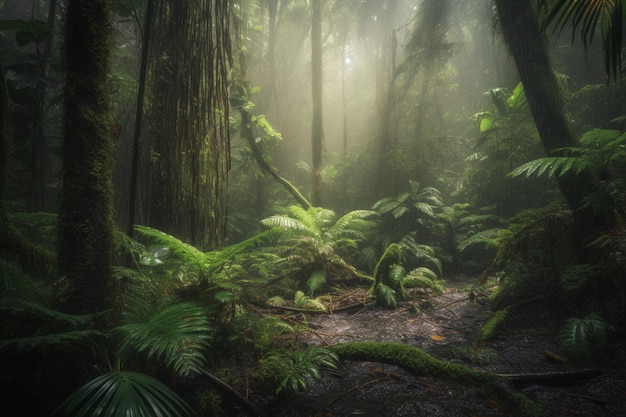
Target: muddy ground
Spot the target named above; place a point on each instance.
(445, 326)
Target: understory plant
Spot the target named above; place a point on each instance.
(391, 280)
(316, 246)
(293, 370)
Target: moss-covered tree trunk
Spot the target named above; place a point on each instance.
(526, 43)
(85, 213)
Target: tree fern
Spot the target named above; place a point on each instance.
(580, 337)
(125, 394)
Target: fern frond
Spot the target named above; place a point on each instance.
(187, 253)
(304, 301)
(284, 222)
(385, 296)
(423, 278)
(316, 280)
(576, 276)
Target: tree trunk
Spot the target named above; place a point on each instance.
(524, 38)
(317, 139)
(85, 214)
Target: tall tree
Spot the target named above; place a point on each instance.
(524, 37)
(317, 139)
(85, 213)
(187, 131)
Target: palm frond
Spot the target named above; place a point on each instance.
(591, 16)
(178, 336)
(71, 337)
(553, 166)
(126, 394)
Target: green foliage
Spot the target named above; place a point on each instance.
(177, 337)
(604, 16)
(316, 245)
(291, 369)
(126, 394)
(581, 337)
(391, 279)
(303, 301)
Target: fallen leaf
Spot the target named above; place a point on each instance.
(437, 338)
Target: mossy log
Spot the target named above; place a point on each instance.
(418, 362)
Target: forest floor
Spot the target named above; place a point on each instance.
(446, 326)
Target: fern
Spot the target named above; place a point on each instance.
(580, 337)
(385, 296)
(304, 301)
(291, 370)
(423, 278)
(316, 280)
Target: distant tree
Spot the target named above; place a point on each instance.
(522, 32)
(85, 213)
(317, 139)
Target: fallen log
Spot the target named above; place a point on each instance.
(420, 363)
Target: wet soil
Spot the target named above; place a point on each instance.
(446, 326)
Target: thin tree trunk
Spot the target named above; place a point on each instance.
(139, 117)
(86, 214)
(525, 40)
(317, 125)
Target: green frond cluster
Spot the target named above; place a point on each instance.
(316, 245)
(291, 369)
(304, 301)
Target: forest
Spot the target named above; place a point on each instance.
(312, 208)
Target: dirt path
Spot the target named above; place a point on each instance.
(446, 327)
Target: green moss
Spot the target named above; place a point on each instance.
(418, 362)
(494, 325)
